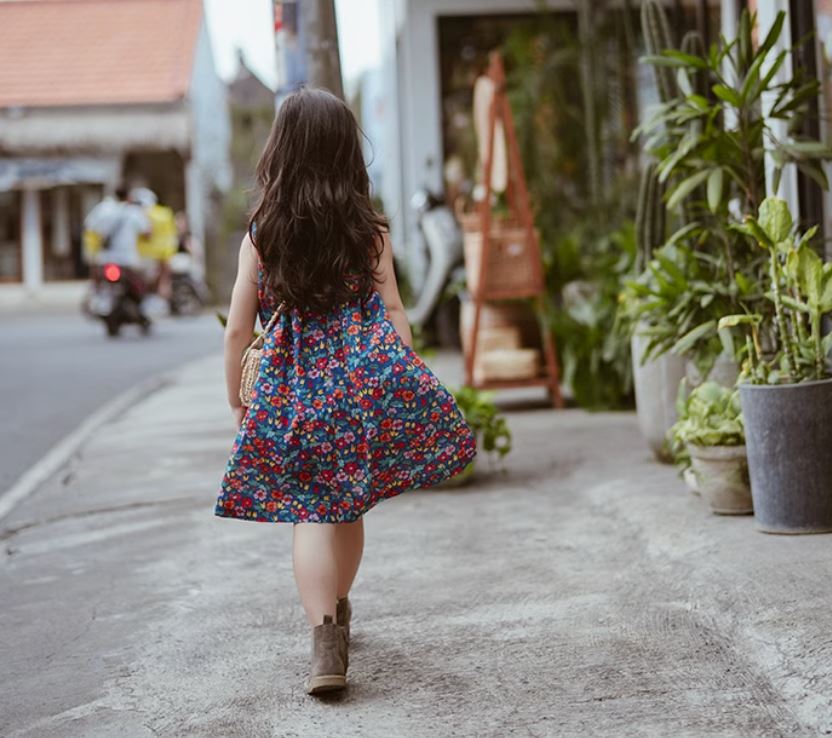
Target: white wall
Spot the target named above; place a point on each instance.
(410, 57)
(209, 165)
(95, 129)
(767, 13)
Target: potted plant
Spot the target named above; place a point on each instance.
(655, 380)
(786, 392)
(488, 424)
(710, 137)
(710, 429)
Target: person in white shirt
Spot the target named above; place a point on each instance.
(120, 223)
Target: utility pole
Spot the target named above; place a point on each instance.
(320, 42)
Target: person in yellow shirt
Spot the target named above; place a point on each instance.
(161, 243)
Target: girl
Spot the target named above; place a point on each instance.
(343, 414)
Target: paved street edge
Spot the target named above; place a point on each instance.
(61, 453)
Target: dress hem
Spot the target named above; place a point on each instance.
(351, 516)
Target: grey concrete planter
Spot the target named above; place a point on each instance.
(724, 372)
(722, 478)
(656, 385)
(788, 433)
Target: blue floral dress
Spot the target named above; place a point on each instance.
(344, 415)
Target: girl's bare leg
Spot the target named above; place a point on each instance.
(349, 545)
(316, 568)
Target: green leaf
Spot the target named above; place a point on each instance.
(727, 340)
(683, 233)
(715, 179)
(826, 344)
(668, 59)
(673, 271)
(685, 86)
(751, 78)
(686, 342)
(699, 102)
(723, 92)
(792, 265)
(773, 34)
(751, 228)
(685, 146)
(807, 236)
(731, 321)
(815, 172)
(775, 219)
(685, 187)
(810, 148)
(743, 282)
(810, 276)
(826, 296)
(790, 302)
(775, 67)
(687, 60)
(798, 99)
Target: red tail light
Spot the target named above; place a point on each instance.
(112, 272)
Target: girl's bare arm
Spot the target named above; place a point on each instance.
(389, 291)
(241, 318)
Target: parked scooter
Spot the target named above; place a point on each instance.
(115, 297)
(189, 294)
(442, 239)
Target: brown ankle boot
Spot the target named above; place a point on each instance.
(329, 662)
(343, 615)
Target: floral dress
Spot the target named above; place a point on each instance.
(344, 415)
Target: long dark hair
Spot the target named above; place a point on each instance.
(316, 231)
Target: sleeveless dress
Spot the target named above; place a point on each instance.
(344, 415)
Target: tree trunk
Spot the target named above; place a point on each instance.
(320, 34)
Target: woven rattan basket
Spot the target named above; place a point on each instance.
(511, 265)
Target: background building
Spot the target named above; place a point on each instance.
(251, 104)
(93, 93)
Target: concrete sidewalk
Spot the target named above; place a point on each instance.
(581, 592)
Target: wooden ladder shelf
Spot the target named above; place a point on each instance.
(517, 197)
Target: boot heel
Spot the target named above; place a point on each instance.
(326, 683)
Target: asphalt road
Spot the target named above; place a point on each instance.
(55, 370)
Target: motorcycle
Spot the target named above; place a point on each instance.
(442, 239)
(115, 297)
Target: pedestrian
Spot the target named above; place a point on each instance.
(343, 413)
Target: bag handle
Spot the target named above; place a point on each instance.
(261, 339)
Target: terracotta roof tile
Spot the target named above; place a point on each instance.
(96, 52)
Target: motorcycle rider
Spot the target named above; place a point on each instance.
(119, 223)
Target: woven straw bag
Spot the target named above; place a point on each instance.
(252, 356)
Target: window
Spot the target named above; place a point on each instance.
(10, 252)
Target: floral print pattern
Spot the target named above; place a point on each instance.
(344, 415)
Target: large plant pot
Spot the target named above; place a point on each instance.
(788, 434)
(722, 478)
(724, 372)
(656, 386)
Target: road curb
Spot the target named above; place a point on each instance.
(61, 453)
